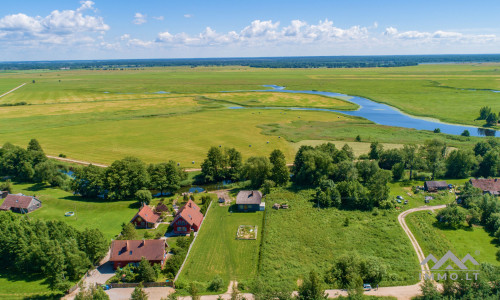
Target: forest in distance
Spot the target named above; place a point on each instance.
(258, 62)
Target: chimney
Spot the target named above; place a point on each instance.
(126, 245)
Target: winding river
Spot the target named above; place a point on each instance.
(383, 114)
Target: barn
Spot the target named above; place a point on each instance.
(434, 186)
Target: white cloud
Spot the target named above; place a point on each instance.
(124, 37)
(67, 26)
(438, 36)
(139, 19)
(187, 16)
(159, 18)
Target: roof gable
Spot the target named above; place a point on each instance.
(17, 201)
(190, 213)
(249, 197)
(134, 250)
(147, 214)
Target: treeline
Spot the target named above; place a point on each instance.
(258, 62)
(31, 165)
(54, 249)
(435, 159)
(126, 179)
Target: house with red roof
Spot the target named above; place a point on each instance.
(20, 203)
(188, 219)
(124, 252)
(487, 185)
(145, 218)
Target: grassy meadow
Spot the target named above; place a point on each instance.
(216, 250)
(304, 238)
(438, 239)
(177, 113)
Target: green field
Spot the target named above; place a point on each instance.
(437, 239)
(101, 116)
(304, 238)
(216, 250)
(106, 216)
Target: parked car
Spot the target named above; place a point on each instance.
(398, 201)
(400, 197)
(105, 287)
(367, 287)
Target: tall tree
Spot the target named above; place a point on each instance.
(166, 177)
(125, 177)
(88, 181)
(490, 165)
(279, 172)
(434, 152)
(492, 119)
(314, 167)
(460, 164)
(234, 164)
(411, 158)
(213, 167)
(145, 271)
(33, 145)
(376, 150)
(257, 169)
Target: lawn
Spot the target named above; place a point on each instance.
(437, 239)
(106, 216)
(217, 251)
(304, 238)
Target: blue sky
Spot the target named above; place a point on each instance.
(105, 29)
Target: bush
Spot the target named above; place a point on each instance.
(216, 284)
(144, 196)
(62, 155)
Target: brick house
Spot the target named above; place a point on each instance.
(145, 218)
(189, 218)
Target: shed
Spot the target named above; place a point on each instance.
(20, 203)
(434, 186)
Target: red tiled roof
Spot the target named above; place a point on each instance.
(190, 212)
(491, 185)
(134, 250)
(147, 214)
(16, 201)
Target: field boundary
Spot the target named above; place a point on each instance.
(192, 243)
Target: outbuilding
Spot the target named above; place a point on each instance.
(434, 186)
(20, 203)
(249, 201)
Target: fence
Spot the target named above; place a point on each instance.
(192, 243)
(145, 284)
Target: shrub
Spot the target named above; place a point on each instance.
(216, 284)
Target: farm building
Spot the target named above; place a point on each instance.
(188, 219)
(124, 252)
(145, 218)
(487, 185)
(434, 186)
(20, 203)
(250, 201)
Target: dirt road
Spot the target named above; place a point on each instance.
(5, 94)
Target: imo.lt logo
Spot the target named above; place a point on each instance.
(460, 263)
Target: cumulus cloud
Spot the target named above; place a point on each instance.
(67, 26)
(438, 36)
(139, 19)
(258, 32)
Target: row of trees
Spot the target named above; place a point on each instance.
(227, 164)
(124, 178)
(31, 165)
(54, 249)
(433, 157)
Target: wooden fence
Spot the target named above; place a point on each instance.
(145, 284)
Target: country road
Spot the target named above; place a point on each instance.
(6, 93)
